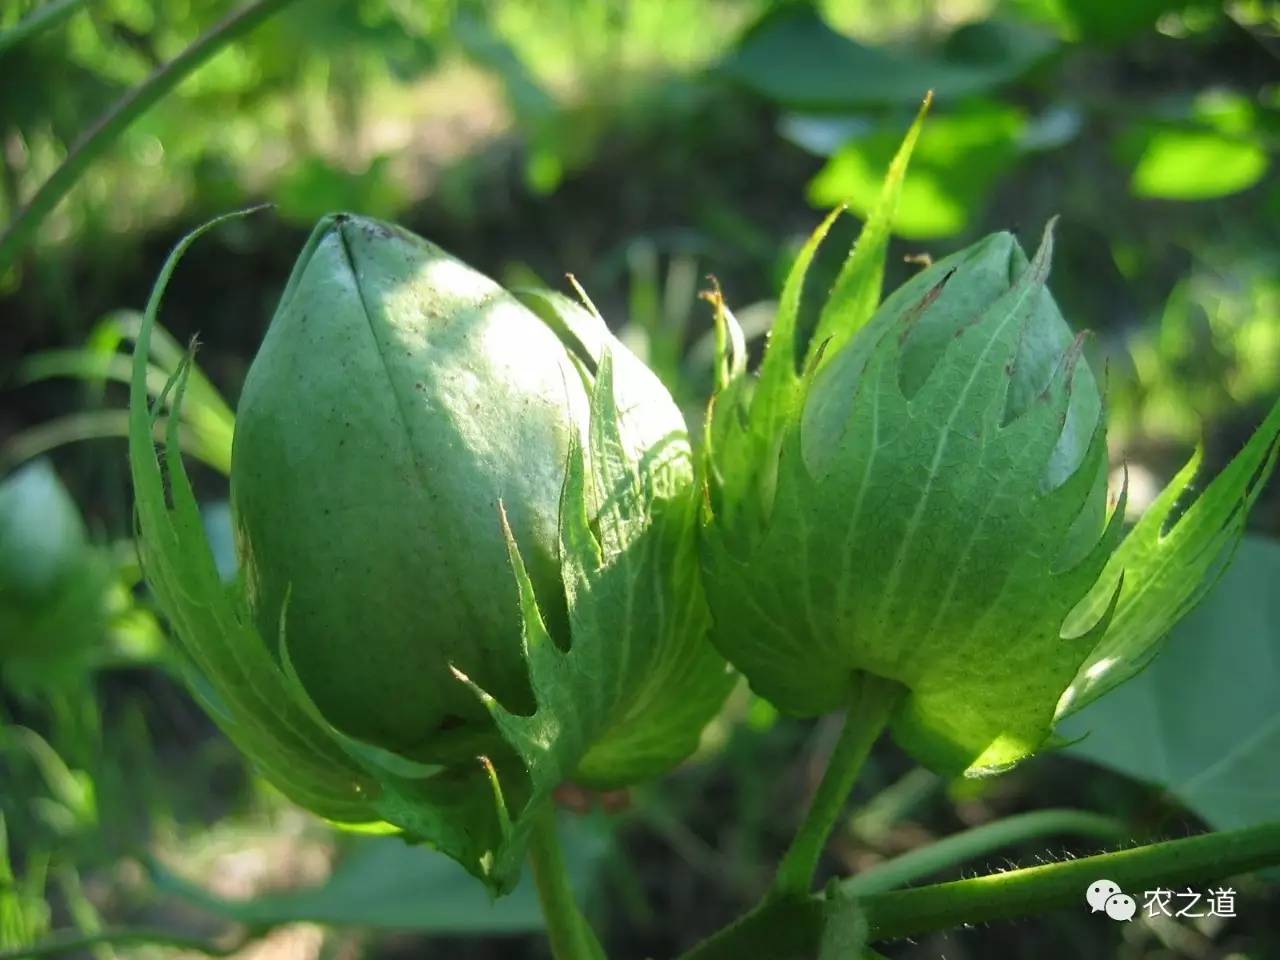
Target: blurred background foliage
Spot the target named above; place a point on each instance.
(640, 146)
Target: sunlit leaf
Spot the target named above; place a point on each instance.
(1203, 720)
(1189, 164)
(1163, 568)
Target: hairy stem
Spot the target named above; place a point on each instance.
(872, 700)
(959, 847)
(1210, 856)
(792, 926)
(570, 935)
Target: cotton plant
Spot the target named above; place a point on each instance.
(479, 559)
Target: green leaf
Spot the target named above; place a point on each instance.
(1191, 164)
(793, 57)
(1162, 571)
(958, 160)
(1203, 720)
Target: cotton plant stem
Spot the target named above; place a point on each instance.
(871, 702)
(108, 127)
(1205, 858)
(968, 844)
(792, 927)
(44, 17)
(567, 930)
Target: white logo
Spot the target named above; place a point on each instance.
(1100, 891)
(1105, 896)
(1121, 906)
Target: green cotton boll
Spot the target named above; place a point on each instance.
(955, 291)
(939, 509)
(467, 529)
(398, 399)
(42, 535)
(54, 583)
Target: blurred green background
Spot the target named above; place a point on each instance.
(640, 146)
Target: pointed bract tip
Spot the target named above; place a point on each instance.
(714, 295)
(1121, 496)
(1037, 271)
(582, 296)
